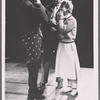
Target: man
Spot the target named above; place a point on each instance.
(32, 16)
(50, 41)
(49, 45)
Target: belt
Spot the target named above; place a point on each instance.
(66, 42)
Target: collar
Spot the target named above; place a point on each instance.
(68, 16)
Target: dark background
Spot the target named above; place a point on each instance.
(83, 12)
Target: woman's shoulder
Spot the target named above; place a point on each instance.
(74, 20)
(71, 18)
(70, 21)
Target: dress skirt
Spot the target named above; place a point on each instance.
(67, 61)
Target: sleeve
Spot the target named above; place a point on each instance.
(65, 26)
(43, 13)
(54, 13)
(40, 9)
(71, 35)
(54, 16)
(68, 29)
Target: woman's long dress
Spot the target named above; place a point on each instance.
(67, 61)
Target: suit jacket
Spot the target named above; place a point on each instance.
(31, 20)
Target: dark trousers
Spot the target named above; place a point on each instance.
(33, 69)
(46, 61)
(47, 58)
(45, 72)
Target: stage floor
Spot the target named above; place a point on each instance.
(16, 84)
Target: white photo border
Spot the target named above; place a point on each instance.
(95, 44)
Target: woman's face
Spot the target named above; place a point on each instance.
(63, 8)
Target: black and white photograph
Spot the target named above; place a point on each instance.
(50, 50)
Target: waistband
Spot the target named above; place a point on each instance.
(66, 42)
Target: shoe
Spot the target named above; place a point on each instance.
(65, 93)
(68, 90)
(72, 97)
(73, 94)
(29, 98)
(40, 91)
(60, 83)
(41, 86)
(59, 86)
(36, 97)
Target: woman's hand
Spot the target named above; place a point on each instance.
(60, 15)
(61, 36)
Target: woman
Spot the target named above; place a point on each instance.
(67, 62)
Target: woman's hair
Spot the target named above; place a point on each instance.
(68, 4)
